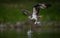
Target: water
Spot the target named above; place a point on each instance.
(29, 33)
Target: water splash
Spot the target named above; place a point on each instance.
(29, 33)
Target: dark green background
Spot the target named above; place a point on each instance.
(8, 13)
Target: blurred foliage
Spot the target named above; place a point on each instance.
(18, 1)
(10, 10)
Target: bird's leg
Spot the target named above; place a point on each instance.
(40, 16)
(35, 21)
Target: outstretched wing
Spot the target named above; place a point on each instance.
(36, 8)
(26, 12)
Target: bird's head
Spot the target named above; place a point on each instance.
(44, 5)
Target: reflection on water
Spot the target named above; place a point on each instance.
(29, 33)
(19, 27)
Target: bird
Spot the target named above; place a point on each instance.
(35, 14)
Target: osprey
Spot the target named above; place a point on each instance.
(34, 16)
